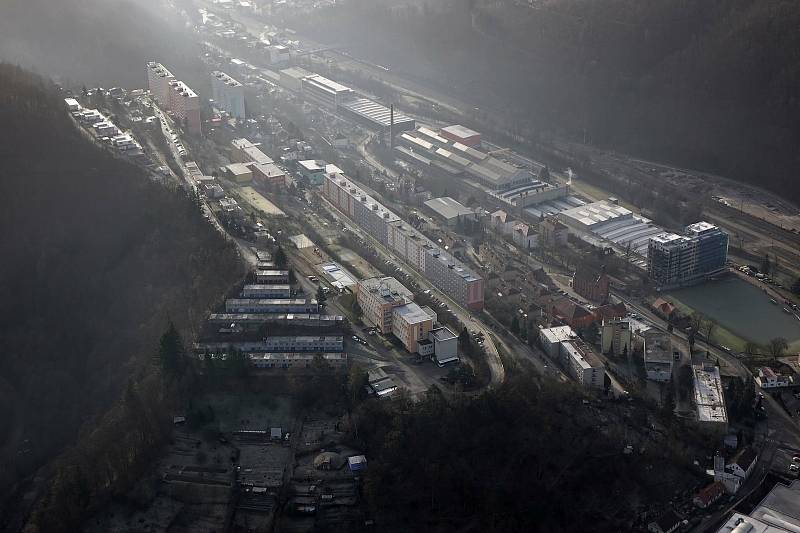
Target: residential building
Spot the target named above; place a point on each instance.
(377, 297)
(583, 364)
(297, 361)
(442, 269)
(679, 260)
(266, 291)
(279, 344)
(591, 284)
(243, 151)
(658, 354)
(239, 172)
(272, 277)
(269, 174)
(410, 324)
(769, 379)
(158, 81)
(256, 306)
(709, 494)
(445, 345)
(450, 211)
(616, 338)
(552, 232)
(571, 313)
(524, 236)
(709, 399)
(228, 94)
(185, 105)
(667, 523)
(742, 464)
(72, 104)
(562, 344)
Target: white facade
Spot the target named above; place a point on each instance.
(769, 379)
(228, 94)
(158, 81)
(551, 339)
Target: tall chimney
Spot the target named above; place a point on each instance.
(391, 126)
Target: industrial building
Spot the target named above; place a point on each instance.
(228, 94)
(375, 116)
(531, 193)
(446, 272)
(607, 223)
(324, 91)
(461, 134)
(450, 211)
(424, 146)
(777, 513)
(681, 260)
(292, 78)
(708, 398)
(281, 305)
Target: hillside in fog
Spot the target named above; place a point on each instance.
(708, 84)
(95, 42)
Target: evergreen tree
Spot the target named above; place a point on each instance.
(171, 352)
(515, 325)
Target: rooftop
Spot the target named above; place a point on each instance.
(708, 395)
(460, 131)
(582, 353)
(448, 208)
(412, 313)
(443, 334)
(391, 290)
(226, 79)
(376, 112)
(326, 84)
(596, 213)
(558, 334)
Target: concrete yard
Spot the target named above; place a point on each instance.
(260, 202)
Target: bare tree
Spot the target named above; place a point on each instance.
(777, 347)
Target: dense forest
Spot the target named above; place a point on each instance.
(711, 84)
(528, 456)
(97, 260)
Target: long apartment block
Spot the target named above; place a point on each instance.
(446, 272)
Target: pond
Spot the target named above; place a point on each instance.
(743, 309)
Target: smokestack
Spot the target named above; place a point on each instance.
(391, 126)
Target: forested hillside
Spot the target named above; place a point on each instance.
(96, 261)
(711, 84)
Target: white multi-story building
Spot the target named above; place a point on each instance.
(446, 272)
(228, 94)
(266, 291)
(158, 81)
(583, 364)
(323, 91)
